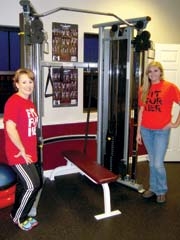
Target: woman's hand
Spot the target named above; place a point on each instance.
(170, 125)
(174, 124)
(139, 138)
(26, 157)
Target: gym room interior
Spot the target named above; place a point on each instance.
(74, 48)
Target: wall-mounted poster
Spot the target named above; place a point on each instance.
(65, 87)
(64, 42)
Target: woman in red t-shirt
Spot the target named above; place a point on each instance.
(156, 98)
(20, 122)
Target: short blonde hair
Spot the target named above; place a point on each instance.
(21, 71)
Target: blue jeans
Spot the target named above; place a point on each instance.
(156, 143)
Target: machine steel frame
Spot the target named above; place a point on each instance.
(33, 38)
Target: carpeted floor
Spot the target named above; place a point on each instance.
(67, 207)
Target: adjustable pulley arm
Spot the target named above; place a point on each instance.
(27, 7)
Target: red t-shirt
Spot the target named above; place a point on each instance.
(158, 105)
(23, 113)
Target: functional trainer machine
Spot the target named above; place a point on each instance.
(123, 52)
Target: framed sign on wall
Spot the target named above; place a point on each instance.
(64, 49)
(64, 42)
(65, 87)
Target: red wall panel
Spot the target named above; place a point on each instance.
(52, 153)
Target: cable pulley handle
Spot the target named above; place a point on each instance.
(49, 79)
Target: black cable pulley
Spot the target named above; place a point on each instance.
(88, 109)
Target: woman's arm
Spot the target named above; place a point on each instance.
(16, 140)
(177, 122)
(174, 124)
(138, 136)
(14, 135)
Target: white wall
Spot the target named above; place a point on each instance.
(163, 28)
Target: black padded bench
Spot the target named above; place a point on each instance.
(97, 174)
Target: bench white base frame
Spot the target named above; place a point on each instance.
(107, 197)
(107, 204)
(71, 168)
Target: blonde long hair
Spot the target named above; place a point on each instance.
(147, 83)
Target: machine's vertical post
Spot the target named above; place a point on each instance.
(100, 98)
(26, 48)
(127, 116)
(138, 75)
(31, 53)
(36, 52)
(37, 70)
(38, 97)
